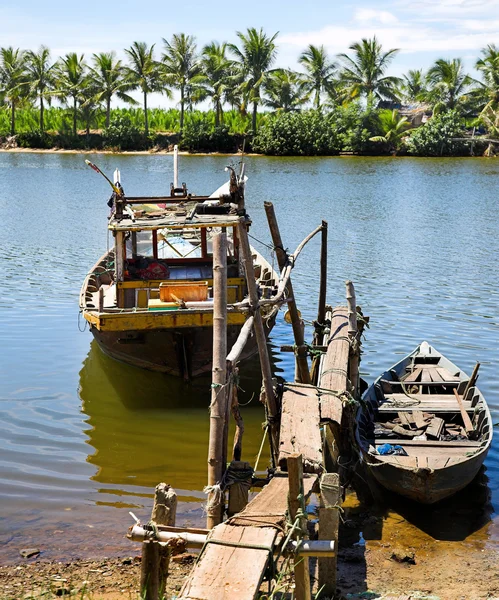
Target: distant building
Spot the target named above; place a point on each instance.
(417, 113)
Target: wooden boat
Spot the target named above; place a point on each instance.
(416, 405)
(149, 299)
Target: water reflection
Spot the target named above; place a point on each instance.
(145, 427)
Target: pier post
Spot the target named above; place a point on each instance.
(330, 499)
(297, 510)
(354, 355)
(219, 407)
(296, 321)
(155, 556)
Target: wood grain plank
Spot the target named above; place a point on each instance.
(226, 572)
(300, 427)
(334, 366)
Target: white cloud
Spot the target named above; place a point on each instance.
(369, 15)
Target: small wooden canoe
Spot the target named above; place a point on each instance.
(412, 429)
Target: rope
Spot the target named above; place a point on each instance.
(335, 370)
(261, 447)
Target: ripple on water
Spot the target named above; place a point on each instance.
(84, 439)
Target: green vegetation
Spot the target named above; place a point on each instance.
(326, 106)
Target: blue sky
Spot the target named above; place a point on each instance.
(423, 29)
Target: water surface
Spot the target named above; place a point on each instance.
(84, 439)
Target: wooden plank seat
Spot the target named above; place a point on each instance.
(423, 402)
(432, 443)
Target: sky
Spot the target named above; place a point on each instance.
(423, 30)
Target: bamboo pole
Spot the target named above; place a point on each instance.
(354, 353)
(296, 321)
(219, 397)
(270, 398)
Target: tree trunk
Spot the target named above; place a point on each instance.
(74, 116)
(41, 113)
(317, 98)
(13, 119)
(182, 101)
(217, 114)
(146, 122)
(108, 111)
(253, 121)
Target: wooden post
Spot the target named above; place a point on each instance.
(296, 321)
(328, 530)
(217, 455)
(296, 502)
(263, 351)
(239, 492)
(237, 448)
(354, 356)
(101, 299)
(321, 311)
(155, 557)
(119, 265)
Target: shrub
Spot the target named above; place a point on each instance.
(435, 137)
(356, 125)
(35, 139)
(123, 135)
(200, 136)
(308, 133)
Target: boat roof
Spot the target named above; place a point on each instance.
(164, 212)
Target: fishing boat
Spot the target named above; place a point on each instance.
(423, 427)
(149, 300)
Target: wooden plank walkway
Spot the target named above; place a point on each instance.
(300, 427)
(226, 570)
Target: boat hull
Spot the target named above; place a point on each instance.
(183, 352)
(425, 485)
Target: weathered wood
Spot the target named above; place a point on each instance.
(269, 507)
(321, 310)
(228, 572)
(413, 377)
(236, 413)
(300, 428)
(155, 558)
(472, 380)
(238, 492)
(354, 354)
(334, 369)
(468, 425)
(330, 500)
(217, 453)
(263, 351)
(435, 428)
(242, 339)
(296, 321)
(419, 419)
(431, 443)
(297, 507)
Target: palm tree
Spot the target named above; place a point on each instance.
(219, 73)
(320, 71)
(41, 76)
(414, 86)
(72, 80)
(108, 78)
(144, 72)
(364, 74)
(448, 82)
(182, 69)
(285, 91)
(488, 66)
(13, 82)
(256, 57)
(394, 129)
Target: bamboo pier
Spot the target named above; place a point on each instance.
(307, 423)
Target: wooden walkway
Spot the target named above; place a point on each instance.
(226, 569)
(235, 559)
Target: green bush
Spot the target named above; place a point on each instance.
(308, 133)
(123, 135)
(356, 125)
(201, 136)
(35, 139)
(435, 137)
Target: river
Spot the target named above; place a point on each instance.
(84, 439)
